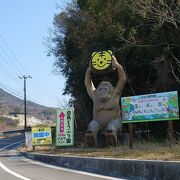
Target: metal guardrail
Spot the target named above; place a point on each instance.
(15, 131)
(19, 131)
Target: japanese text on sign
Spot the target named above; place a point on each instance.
(151, 107)
(65, 127)
(41, 136)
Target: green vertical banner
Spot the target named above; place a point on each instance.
(65, 127)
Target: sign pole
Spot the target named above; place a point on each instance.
(130, 136)
(170, 132)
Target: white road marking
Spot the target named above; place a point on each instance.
(50, 166)
(71, 170)
(10, 145)
(13, 173)
(8, 170)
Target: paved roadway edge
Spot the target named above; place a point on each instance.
(120, 168)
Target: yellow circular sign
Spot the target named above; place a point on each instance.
(101, 60)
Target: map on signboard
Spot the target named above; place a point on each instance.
(150, 107)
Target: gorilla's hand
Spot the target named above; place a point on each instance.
(115, 63)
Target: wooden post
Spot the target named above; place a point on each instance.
(170, 132)
(130, 136)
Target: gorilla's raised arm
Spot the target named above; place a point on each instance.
(88, 83)
(122, 76)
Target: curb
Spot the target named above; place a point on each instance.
(119, 168)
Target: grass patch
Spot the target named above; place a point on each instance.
(143, 151)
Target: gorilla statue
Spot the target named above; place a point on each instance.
(106, 108)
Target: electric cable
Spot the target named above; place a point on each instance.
(7, 62)
(11, 91)
(7, 73)
(13, 54)
(16, 93)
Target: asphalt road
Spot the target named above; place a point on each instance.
(15, 167)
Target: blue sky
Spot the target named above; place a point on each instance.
(24, 26)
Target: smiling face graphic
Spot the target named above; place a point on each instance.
(101, 60)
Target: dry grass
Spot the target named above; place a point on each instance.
(2, 137)
(145, 151)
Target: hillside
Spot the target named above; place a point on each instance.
(12, 104)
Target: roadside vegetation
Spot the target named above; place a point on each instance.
(144, 35)
(7, 123)
(143, 151)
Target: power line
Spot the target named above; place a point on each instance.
(17, 94)
(11, 51)
(7, 73)
(11, 91)
(7, 62)
(16, 69)
(11, 75)
(30, 99)
(11, 64)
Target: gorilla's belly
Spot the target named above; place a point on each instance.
(105, 116)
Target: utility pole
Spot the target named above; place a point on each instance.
(25, 77)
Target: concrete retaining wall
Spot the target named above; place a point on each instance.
(129, 169)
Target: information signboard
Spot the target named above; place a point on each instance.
(41, 136)
(150, 107)
(65, 127)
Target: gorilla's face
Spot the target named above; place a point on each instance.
(104, 90)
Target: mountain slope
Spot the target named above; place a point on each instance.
(10, 103)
